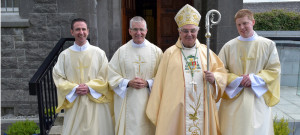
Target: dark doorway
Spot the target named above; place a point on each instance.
(159, 15)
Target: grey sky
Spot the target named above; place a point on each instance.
(247, 1)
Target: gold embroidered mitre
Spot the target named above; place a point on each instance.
(187, 15)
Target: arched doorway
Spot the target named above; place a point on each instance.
(159, 15)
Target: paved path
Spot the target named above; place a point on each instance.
(289, 105)
(289, 108)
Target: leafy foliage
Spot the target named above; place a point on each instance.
(23, 128)
(278, 20)
(281, 127)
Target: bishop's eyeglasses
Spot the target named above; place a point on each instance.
(138, 29)
(186, 31)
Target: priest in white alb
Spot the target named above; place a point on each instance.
(80, 76)
(253, 87)
(131, 74)
(178, 103)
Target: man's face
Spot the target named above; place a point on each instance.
(80, 32)
(188, 35)
(138, 32)
(245, 26)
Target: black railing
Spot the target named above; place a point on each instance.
(42, 85)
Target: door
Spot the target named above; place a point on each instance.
(128, 11)
(167, 33)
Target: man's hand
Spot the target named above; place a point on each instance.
(82, 89)
(209, 76)
(137, 83)
(246, 82)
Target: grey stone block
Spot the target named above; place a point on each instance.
(8, 62)
(22, 58)
(37, 19)
(45, 8)
(13, 84)
(62, 19)
(8, 53)
(36, 54)
(18, 38)
(11, 31)
(289, 80)
(26, 45)
(289, 68)
(290, 54)
(42, 34)
(47, 45)
(30, 65)
(7, 42)
(6, 73)
(21, 73)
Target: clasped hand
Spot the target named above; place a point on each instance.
(82, 89)
(137, 83)
(246, 82)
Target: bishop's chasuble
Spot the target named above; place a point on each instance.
(178, 103)
(88, 114)
(130, 61)
(247, 111)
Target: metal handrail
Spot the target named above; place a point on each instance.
(42, 85)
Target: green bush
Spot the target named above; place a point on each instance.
(281, 127)
(23, 128)
(277, 20)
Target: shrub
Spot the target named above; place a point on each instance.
(281, 127)
(23, 128)
(277, 19)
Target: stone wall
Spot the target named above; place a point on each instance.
(289, 56)
(269, 6)
(25, 45)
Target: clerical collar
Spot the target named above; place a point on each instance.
(253, 37)
(138, 45)
(78, 48)
(186, 48)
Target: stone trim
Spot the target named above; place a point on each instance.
(278, 33)
(13, 20)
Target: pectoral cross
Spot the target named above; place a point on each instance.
(139, 62)
(244, 61)
(81, 69)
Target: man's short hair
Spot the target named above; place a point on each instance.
(242, 13)
(78, 20)
(137, 19)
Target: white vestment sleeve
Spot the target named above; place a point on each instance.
(216, 91)
(94, 93)
(258, 85)
(122, 88)
(72, 95)
(150, 83)
(234, 87)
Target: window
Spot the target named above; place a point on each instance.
(10, 6)
(10, 17)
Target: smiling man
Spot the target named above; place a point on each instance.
(131, 74)
(178, 103)
(80, 76)
(253, 87)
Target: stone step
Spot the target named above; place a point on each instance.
(56, 129)
(59, 119)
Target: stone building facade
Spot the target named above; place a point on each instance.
(28, 37)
